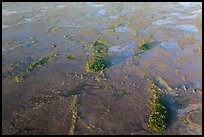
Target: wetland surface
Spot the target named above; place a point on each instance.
(143, 47)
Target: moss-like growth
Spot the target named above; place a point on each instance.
(69, 56)
(97, 63)
(18, 78)
(100, 47)
(41, 61)
(159, 115)
(145, 46)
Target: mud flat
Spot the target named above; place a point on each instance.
(92, 71)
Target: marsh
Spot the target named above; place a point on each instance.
(46, 88)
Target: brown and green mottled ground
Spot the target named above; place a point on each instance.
(148, 46)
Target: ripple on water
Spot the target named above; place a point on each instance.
(60, 6)
(6, 12)
(163, 21)
(169, 45)
(92, 4)
(186, 27)
(190, 4)
(112, 17)
(35, 17)
(129, 46)
(144, 31)
(119, 54)
(100, 13)
(28, 43)
(122, 28)
(181, 16)
(197, 12)
(72, 25)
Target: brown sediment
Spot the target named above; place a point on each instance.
(74, 110)
(128, 113)
(165, 83)
(190, 121)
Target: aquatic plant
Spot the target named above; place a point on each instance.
(18, 78)
(100, 47)
(41, 61)
(96, 63)
(144, 46)
(159, 115)
(69, 56)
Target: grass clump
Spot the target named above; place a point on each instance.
(159, 115)
(96, 63)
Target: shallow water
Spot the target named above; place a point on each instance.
(60, 97)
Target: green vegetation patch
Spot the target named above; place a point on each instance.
(69, 56)
(18, 78)
(44, 60)
(145, 46)
(41, 61)
(97, 63)
(100, 47)
(159, 115)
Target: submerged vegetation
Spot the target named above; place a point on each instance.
(145, 45)
(18, 78)
(100, 47)
(99, 60)
(159, 112)
(159, 115)
(96, 63)
(40, 62)
(69, 56)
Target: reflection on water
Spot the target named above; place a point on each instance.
(190, 28)
(147, 45)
